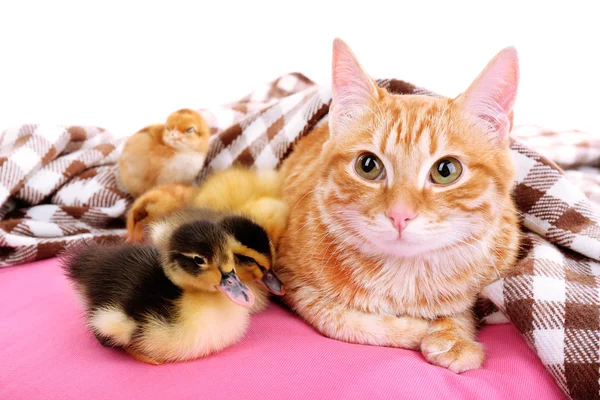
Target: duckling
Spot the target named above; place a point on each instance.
(249, 192)
(253, 250)
(176, 300)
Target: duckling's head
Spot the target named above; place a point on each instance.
(254, 252)
(197, 256)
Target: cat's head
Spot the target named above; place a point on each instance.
(186, 129)
(404, 174)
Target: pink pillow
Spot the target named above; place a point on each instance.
(47, 353)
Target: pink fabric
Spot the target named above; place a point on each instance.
(47, 353)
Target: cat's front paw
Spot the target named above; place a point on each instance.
(447, 349)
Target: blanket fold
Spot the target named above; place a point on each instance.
(60, 184)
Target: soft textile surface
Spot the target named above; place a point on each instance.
(47, 353)
(552, 297)
(57, 184)
(578, 153)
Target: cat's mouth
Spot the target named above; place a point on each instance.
(413, 242)
(408, 242)
(377, 235)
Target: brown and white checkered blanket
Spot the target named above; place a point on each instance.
(59, 184)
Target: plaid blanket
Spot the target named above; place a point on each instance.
(59, 184)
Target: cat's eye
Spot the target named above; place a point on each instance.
(370, 167)
(191, 130)
(445, 171)
(199, 260)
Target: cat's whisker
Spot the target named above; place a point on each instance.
(487, 257)
(340, 247)
(308, 221)
(378, 116)
(530, 221)
(312, 237)
(323, 236)
(302, 198)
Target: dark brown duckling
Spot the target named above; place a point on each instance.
(177, 300)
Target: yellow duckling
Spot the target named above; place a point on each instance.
(253, 193)
(175, 300)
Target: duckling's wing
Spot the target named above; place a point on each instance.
(109, 274)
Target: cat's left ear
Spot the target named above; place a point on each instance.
(491, 97)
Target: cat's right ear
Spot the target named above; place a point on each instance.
(491, 97)
(352, 88)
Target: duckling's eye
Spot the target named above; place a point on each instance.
(241, 259)
(445, 171)
(191, 130)
(199, 260)
(369, 167)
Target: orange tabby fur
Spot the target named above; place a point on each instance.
(165, 153)
(346, 269)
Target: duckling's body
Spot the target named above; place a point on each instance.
(175, 301)
(253, 193)
(131, 303)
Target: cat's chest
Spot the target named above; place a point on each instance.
(182, 167)
(418, 288)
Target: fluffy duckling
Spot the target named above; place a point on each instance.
(173, 152)
(249, 192)
(253, 250)
(178, 300)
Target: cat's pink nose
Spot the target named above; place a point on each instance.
(400, 217)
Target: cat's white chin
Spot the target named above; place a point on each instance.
(408, 244)
(402, 248)
(378, 237)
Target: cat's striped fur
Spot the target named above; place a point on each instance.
(346, 270)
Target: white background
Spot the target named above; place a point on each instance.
(123, 65)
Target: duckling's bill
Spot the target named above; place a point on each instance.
(235, 290)
(272, 283)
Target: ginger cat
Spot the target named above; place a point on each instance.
(165, 153)
(401, 211)
(253, 193)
